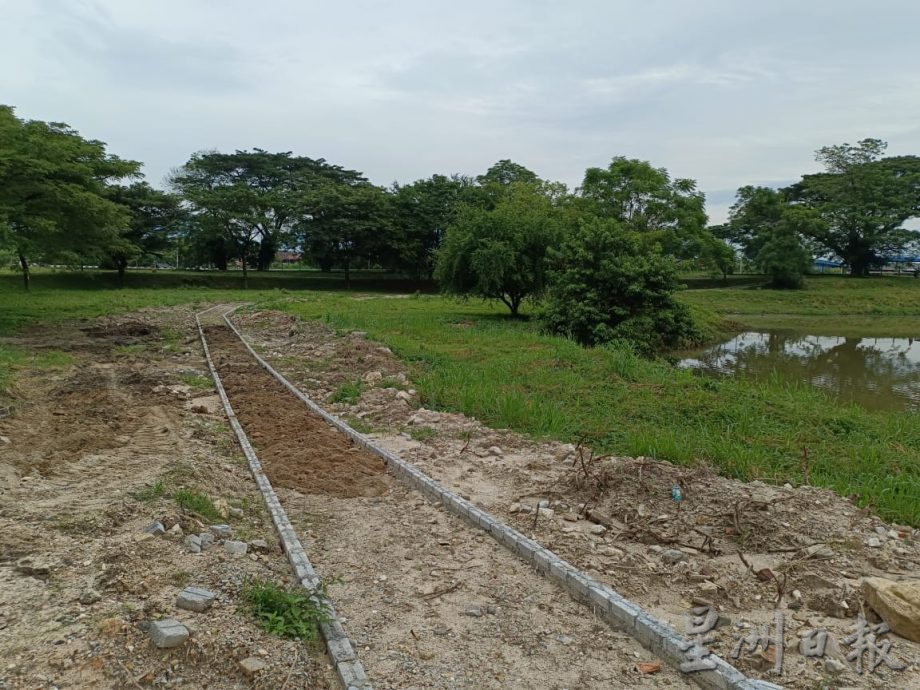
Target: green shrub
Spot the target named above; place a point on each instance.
(285, 613)
(348, 393)
(197, 503)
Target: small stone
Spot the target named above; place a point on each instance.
(5, 440)
(193, 543)
(90, 596)
(206, 539)
(833, 665)
(491, 610)
(514, 508)
(372, 377)
(259, 545)
(673, 555)
(496, 451)
(597, 529)
(235, 512)
(195, 599)
(787, 486)
(358, 334)
(155, 528)
(252, 666)
(543, 504)
(237, 548)
(564, 452)
(892, 534)
(565, 639)
(175, 532)
(873, 542)
(547, 512)
(168, 633)
(881, 530)
(221, 531)
(709, 586)
(29, 566)
(403, 395)
(425, 655)
(473, 610)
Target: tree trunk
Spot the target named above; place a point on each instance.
(122, 265)
(245, 276)
(26, 275)
(347, 273)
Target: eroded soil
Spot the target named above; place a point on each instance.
(743, 547)
(87, 461)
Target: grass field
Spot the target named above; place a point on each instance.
(469, 357)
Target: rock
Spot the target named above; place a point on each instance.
(514, 508)
(221, 531)
(252, 666)
(372, 377)
(236, 512)
(893, 534)
(155, 528)
(897, 603)
(5, 440)
(709, 587)
(193, 543)
(473, 610)
(673, 555)
(29, 566)
(223, 508)
(565, 639)
(206, 539)
(597, 529)
(873, 542)
(259, 545)
(175, 532)
(495, 451)
(571, 517)
(423, 416)
(543, 503)
(787, 486)
(881, 530)
(237, 548)
(833, 665)
(564, 452)
(403, 395)
(168, 633)
(90, 596)
(358, 334)
(547, 512)
(195, 599)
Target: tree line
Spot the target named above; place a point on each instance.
(603, 257)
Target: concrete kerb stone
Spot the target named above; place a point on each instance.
(349, 670)
(618, 612)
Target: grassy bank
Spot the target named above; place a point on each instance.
(468, 357)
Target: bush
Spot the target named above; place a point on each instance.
(606, 284)
(284, 613)
(783, 257)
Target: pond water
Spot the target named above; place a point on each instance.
(878, 373)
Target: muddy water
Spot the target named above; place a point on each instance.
(878, 373)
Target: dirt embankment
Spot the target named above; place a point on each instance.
(746, 548)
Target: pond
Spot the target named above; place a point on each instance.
(877, 373)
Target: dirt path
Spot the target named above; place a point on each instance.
(90, 458)
(430, 602)
(816, 544)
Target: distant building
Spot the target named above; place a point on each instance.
(289, 257)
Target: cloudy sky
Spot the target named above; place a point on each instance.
(725, 92)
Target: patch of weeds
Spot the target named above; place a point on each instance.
(390, 382)
(285, 613)
(362, 426)
(180, 578)
(422, 433)
(132, 349)
(197, 503)
(348, 393)
(196, 381)
(77, 524)
(150, 492)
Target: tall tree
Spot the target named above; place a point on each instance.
(53, 190)
(153, 215)
(864, 201)
(500, 253)
(646, 199)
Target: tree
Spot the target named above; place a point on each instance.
(863, 199)
(53, 191)
(254, 197)
(606, 284)
(782, 255)
(500, 253)
(153, 214)
(506, 173)
(343, 223)
(645, 199)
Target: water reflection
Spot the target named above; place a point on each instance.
(879, 373)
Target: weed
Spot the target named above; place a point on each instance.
(283, 612)
(197, 503)
(180, 577)
(196, 381)
(362, 426)
(348, 393)
(150, 492)
(422, 433)
(390, 382)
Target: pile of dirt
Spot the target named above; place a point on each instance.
(297, 449)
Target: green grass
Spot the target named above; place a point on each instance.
(348, 393)
(422, 433)
(196, 502)
(282, 612)
(151, 492)
(468, 357)
(13, 359)
(196, 381)
(362, 426)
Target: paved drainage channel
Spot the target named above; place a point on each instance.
(430, 599)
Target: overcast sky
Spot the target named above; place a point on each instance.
(728, 93)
